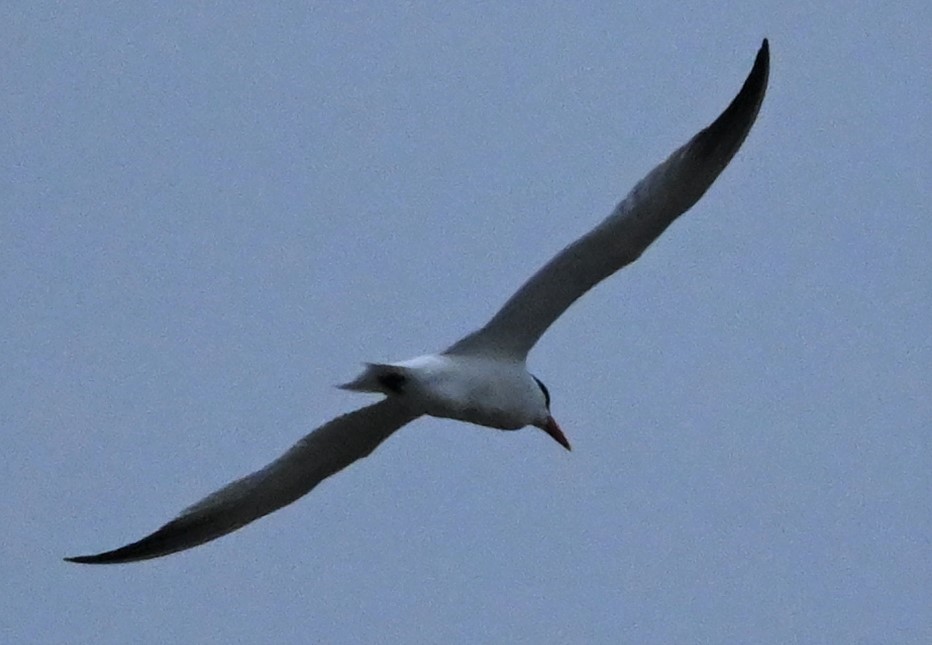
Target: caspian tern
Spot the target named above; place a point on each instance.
(482, 378)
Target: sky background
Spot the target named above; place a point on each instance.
(211, 213)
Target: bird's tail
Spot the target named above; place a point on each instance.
(381, 378)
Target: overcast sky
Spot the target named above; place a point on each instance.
(213, 213)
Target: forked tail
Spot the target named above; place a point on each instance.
(380, 378)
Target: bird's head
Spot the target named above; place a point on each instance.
(546, 421)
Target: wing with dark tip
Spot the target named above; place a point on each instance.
(667, 192)
(324, 452)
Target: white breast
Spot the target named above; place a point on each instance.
(488, 392)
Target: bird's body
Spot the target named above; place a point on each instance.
(482, 378)
(488, 391)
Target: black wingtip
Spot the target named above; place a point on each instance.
(748, 100)
(179, 534)
(721, 139)
(128, 553)
(86, 559)
(763, 55)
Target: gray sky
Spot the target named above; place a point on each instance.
(211, 214)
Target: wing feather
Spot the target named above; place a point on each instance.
(322, 453)
(667, 192)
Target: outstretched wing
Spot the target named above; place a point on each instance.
(667, 192)
(324, 452)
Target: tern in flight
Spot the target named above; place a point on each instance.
(482, 378)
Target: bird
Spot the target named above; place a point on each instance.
(482, 378)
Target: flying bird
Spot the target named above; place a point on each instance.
(482, 378)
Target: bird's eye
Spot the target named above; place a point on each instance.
(543, 388)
